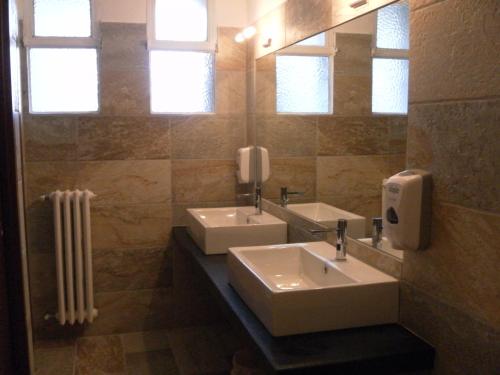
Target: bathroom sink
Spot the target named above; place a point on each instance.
(385, 246)
(298, 288)
(328, 215)
(217, 229)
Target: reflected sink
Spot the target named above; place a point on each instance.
(385, 246)
(328, 215)
(216, 229)
(297, 288)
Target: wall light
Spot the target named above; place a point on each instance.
(246, 33)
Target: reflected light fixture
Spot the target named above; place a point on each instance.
(246, 33)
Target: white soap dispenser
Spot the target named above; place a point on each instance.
(407, 209)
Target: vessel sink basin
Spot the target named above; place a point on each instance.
(385, 246)
(328, 215)
(216, 229)
(297, 288)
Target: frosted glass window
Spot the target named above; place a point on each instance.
(392, 26)
(63, 80)
(390, 86)
(302, 84)
(181, 20)
(62, 18)
(316, 40)
(182, 82)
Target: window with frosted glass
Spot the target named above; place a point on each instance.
(181, 20)
(181, 82)
(302, 84)
(63, 80)
(392, 26)
(62, 18)
(390, 86)
(318, 40)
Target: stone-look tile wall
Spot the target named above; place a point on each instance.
(339, 159)
(450, 292)
(145, 171)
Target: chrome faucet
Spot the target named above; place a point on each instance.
(376, 231)
(341, 243)
(284, 193)
(257, 199)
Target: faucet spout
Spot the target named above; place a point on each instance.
(341, 244)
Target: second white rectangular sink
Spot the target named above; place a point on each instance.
(327, 215)
(216, 229)
(298, 288)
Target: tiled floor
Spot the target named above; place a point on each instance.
(183, 351)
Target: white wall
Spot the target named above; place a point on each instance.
(228, 12)
(257, 8)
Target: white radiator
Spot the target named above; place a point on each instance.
(73, 250)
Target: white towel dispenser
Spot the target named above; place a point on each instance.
(407, 209)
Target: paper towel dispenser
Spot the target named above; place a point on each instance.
(407, 209)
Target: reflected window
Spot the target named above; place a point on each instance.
(318, 40)
(181, 20)
(62, 18)
(302, 84)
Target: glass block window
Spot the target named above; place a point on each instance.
(181, 20)
(303, 84)
(181, 81)
(63, 80)
(62, 18)
(390, 86)
(393, 26)
(318, 40)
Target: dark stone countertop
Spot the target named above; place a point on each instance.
(384, 349)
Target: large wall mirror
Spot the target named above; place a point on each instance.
(332, 112)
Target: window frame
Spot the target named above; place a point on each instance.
(204, 46)
(329, 50)
(208, 46)
(31, 41)
(390, 54)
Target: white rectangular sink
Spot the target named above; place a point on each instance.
(328, 215)
(297, 288)
(216, 229)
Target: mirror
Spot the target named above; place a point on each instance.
(332, 112)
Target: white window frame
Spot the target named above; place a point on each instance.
(30, 40)
(204, 46)
(387, 53)
(329, 50)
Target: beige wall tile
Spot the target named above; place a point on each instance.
(151, 363)
(137, 342)
(126, 182)
(464, 345)
(230, 55)
(353, 95)
(456, 142)
(343, 175)
(131, 269)
(461, 265)
(99, 355)
(230, 90)
(287, 136)
(354, 56)
(306, 17)
(134, 226)
(298, 174)
(203, 181)
(468, 67)
(367, 135)
(207, 137)
(49, 138)
(52, 359)
(265, 92)
(124, 92)
(120, 138)
(124, 46)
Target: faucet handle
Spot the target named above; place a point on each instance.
(377, 223)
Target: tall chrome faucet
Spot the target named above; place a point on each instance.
(284, 195)
(376, 231)
(341, 241)
(257, 199)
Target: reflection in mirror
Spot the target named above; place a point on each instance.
(332, 112)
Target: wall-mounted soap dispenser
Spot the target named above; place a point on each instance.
(407, 209)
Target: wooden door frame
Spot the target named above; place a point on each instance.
(10, 234)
